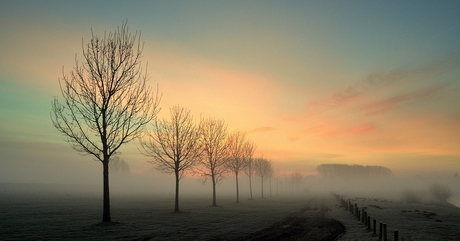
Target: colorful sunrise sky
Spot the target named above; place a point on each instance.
(311, 82)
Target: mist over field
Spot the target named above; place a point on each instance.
(153, 182)
(229, 120)
(142, 207)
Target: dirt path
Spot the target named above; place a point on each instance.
(355, 230)
(311, 223)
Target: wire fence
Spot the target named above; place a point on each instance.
(363, 216)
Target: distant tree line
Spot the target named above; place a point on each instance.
(345, 170)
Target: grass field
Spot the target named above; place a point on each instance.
(56, 215)
(413, 221)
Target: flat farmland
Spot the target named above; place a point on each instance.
(50, 216)
(53, 215)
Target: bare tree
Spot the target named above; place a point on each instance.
(296, 179)
(441, 192)
(174, 145)
(214, 140)
(235, 161)
(248, 151)
(269, 176)
(117, 164)
(262, 168)
(278, 182)
(107, 102)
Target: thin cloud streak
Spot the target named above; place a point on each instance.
(393, 102)
(377, 80)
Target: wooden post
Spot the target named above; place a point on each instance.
(381, 231)
(375, 226)
(368, 222)
(385, 232)
(395, 235)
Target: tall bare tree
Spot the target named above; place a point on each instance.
(263, 168)
(107, 101)
(248, 151)
(236, 161)
(214, 140)
(174, 146)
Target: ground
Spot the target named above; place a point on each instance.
(57, 216)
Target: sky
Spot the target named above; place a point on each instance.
(310, 82)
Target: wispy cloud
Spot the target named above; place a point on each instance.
(379, 79)
(392, 102)
(333, 131)
(347, 118)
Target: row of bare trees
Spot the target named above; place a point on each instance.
(182, 146)
(107, 103)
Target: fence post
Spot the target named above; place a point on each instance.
(384, 232)
(381, 231)
(368, 222)
(395, 235)
(375, 226)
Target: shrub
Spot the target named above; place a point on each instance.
(441, 192)
(411, 196)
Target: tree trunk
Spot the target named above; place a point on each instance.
(176, 202)
(214, 201)
(106, 195)
(270, 185)
(250, 186)
(262, 186)
(237, 190)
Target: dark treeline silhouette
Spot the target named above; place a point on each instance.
(345, 170)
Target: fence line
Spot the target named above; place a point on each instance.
(363, 216)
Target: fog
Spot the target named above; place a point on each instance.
(82, 176)
(57, 169)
